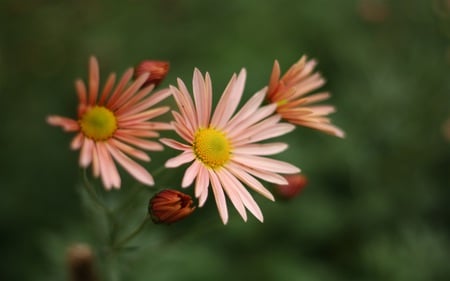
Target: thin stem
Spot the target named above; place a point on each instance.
(125, 240)
(90, 190)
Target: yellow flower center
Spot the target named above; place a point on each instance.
(212, 147)
(281, 102)
(98, 123)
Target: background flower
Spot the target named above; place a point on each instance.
(115, 125)
(290, 93)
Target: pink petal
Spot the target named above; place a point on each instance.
(142, 116)
(308, 85)
(175, 144)
(261, 148)
(185, 104)
(140, 143)
(94, 80)
(129, 92)
(86, 152)
(182, 128)
(190, 174)
(120, 86)
(183, 158)
(202, 98)
(274, 78)
(130, 104)
(244, 196)
(77, 141)
(130, 150)
(67, 124)
(317, 97)
(243, 125)
(95, 162)
(327, 128)
(265, 175)
(247, 110)
(136, 170)
(229, 101)
(219, 111)
(148, 102)
(219, 196)
(138, 133)
(201, 185)
(272, 132)
(150, 125)
(266, 164)
(230, 188)
(107, 88)
(249, 180)
(80, 87)
(108, 171)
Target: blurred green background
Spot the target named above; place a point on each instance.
(377, 203)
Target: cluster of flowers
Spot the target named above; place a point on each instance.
(223, 146)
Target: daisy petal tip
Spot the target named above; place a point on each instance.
(340, 134)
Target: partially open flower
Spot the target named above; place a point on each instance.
(296, 183)
(169, 206)
(292, 93)
(157, 69)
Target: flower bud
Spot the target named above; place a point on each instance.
(80, 262)
(296, 183)
(157, 69)
(169, 206)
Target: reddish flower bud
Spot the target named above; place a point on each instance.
(296, 183)
(157, 69)
(169, 206)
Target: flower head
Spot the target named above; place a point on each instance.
(169, 206)
(114, 125)
(223, 148)
(290, 95)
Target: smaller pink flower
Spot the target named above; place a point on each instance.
(294, 104)
(114, 124)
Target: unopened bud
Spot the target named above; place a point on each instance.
(80, 261)
(169, 206)
(157, 69)
(296, 183)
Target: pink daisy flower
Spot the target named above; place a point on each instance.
(224, 149)
(290, 94)
(114, 125)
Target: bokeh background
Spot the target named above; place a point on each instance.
(377, 203)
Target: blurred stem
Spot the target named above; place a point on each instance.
(112, 220)
(125, 240)
(90, 190)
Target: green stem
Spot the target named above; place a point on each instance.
(90, 190)
(125, 240)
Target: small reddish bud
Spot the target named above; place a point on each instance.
(169, 206)
(157, 69)
(296, 183)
